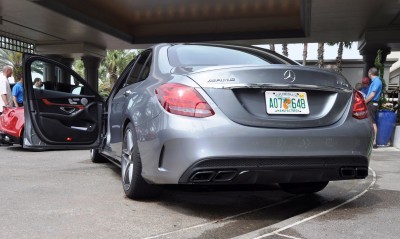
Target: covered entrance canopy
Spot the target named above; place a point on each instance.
(102, 24)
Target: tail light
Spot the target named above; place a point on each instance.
(360, 110)
(183, 100)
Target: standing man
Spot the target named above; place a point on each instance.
(5, 90)
(18, 93)
(374, 93)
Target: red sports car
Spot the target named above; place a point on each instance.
(12, 125)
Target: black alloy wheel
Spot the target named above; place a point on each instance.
(135, 187)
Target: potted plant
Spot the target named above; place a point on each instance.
(396, 135)
(386, 121)
(386, 116)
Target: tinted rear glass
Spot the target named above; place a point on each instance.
(198, 55)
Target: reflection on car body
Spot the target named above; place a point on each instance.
(208, 114)
(12, 125)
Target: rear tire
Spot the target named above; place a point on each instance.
(135, 187)
(96, 157)
(302, 188)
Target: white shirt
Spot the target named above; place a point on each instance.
(5, 89)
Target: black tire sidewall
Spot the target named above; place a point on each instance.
(138, 188)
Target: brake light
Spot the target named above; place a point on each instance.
(360, 110)
(183, 100)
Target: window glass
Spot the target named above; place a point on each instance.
(198, 55)
(145, 70)
(134, 75)
(48, 76)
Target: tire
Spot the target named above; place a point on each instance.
(135, 187)
(302, 188)
(96, 157)
(21, 138)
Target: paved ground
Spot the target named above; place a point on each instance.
(372, 213)
(61, 194)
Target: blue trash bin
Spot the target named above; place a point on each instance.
(386, 122)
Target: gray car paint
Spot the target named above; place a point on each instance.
(170, 144)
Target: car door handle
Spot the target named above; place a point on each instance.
(68, 110)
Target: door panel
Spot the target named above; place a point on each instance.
(64, 112)
(120, 101)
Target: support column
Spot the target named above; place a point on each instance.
(369, 56)
(66, 78)
(49, 74)
(92, 64)
(67, 61)
(369, 61)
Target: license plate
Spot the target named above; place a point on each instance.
(285, 102)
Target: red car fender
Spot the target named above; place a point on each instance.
(12, 121)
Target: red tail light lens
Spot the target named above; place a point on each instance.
(183, 100)
(360, 110)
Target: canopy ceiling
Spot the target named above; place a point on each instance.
(92, 25)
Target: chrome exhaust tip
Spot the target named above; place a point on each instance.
(202, 176)
(361, 172)
(347, 172)
(225, 176)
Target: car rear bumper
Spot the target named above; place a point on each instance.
(275, 170)
(183, 146)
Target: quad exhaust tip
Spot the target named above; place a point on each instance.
(224, 176)
(213, 176)
(202, 176)
(361, 172)
(228, 175)
(354, 172)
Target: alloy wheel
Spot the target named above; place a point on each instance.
(127, 162)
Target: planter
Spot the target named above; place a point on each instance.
(396, 140)
(386, 122)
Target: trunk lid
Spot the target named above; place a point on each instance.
(239, 92)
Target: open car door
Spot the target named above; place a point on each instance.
(61, 113)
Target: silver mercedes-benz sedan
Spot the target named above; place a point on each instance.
(207, 114)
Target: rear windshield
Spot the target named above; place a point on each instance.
(198, 55)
